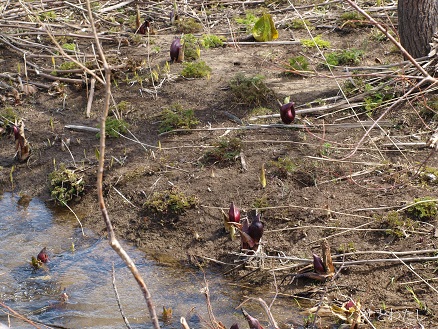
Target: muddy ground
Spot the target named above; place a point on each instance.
(325, 190)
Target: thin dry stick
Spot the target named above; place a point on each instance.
(77, 218)
(19, 316)
(125, 319)
(393, 40)
(410, 269)
(114, 243)
(91, 95)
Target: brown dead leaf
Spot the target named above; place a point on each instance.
(247, 241)
(29, 90)
(327, 258)
(22, 147)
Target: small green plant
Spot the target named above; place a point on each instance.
(248, 21)
(225, 152)
(188, 25)
(396, 224)
(69, 46)
(260, 110)
(377, 97)
(316, 41)
(344, 57)
(422, 306)
(282, 167)
(326, 149)
(261, 202)
(300, 24)
(123, 106)
(65, 184)
(378, 35)
(48, 16)
(68, 66)
(249, 90)
(352, 19)
(197, 69)
(115, 126)
(211, 41)
(423, 209)
(429, 176)
(172, 202)
(177, 117)
(347, 247)
(298, 63)
(192, 51)
(9, 114)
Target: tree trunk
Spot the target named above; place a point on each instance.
(417, 22)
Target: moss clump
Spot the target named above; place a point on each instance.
(197, 69)
(69, 46)
(424, 209)
(249, 90)
(173, 202)
(429, 176)
(188, 25)
(65, 184)
(282, 167)
(300, 24)
(123, 106)
(396, 224)
(298, 63)
(345, 57)
(114, 127)
(225, 152)
(316, 41)
(48, 16)
(9, 114)
(211, 41)
(177, 117)
(352, 19)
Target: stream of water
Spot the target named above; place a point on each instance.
(85, 274)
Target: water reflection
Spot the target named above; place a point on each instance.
(27, 226)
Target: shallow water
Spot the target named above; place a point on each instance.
(26, 226)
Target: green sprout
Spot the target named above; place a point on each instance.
(177, 117)
(197, 69)
(65, 184)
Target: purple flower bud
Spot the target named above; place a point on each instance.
(255, 230)
(175, 49)
(16, 131)
(318, 266)
(252, 321)
(233, 214)
(43, 256)
(287, 112)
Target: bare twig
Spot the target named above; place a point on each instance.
(91, 95)
(125, 319)
(114, 243)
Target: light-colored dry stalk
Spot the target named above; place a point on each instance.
(114, 243)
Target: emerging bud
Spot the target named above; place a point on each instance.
(349, 304)
(176, 51)
(287, 112)
(255, 230)
(252, 321)
(318, 266)
(16, 131)
(43, 256)
(233, 214)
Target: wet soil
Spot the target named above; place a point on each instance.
(330, 188)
